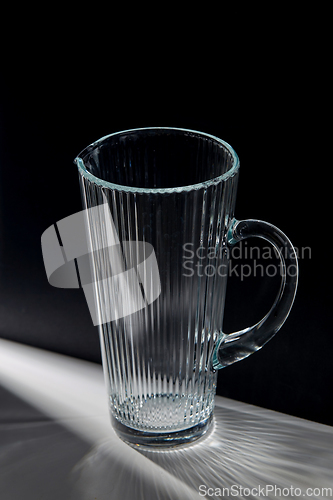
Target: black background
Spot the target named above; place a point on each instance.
(56, 99)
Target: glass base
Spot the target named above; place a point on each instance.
(160, 439)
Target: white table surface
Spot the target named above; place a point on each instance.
(56, 442)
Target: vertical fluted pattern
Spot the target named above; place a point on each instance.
(157, 360)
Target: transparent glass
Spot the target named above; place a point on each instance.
(175, 190)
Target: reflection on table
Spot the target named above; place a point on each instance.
(56, 442)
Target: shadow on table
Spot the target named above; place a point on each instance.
(37, 454)
(244, 450)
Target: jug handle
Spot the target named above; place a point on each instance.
(236, 346)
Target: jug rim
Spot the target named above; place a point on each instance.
(79, 161)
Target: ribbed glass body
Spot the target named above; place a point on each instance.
(175, 190)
